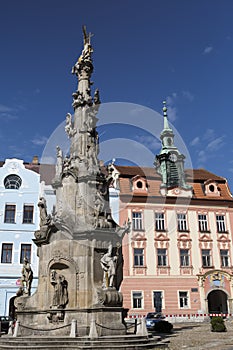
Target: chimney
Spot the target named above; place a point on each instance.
(35, 160)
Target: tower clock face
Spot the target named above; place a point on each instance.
(173, 157)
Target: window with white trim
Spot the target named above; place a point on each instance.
(137, 222)
(28, 214)
(184, 257)
(10, 213)
(138, 257)
(182, 222)
(183, 300)
(6, 257)
(159, 222)
(206, 257)
(220, 221)
(157, 300)
(25, 252)
(137, 300)
(224, 255)
(162, 256)
(203, 223)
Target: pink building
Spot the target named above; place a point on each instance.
(178, 253)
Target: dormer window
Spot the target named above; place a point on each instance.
(139, 184)
(211, 188)
(12, 182)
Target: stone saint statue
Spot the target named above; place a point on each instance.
(44, 217)
(96, 97)
(60, 295)
(108, 264)
(27, 277)
(59, 161)
(69, 129)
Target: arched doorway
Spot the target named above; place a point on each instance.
(217, 302)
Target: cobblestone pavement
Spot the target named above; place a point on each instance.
(198, 336)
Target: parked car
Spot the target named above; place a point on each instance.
(152, 318)
(155, 321)
(5, 323)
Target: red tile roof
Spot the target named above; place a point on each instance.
(195, 177)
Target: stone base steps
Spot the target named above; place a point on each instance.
(130, 342)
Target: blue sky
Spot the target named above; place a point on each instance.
(144, 52)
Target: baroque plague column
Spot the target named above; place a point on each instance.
(79, 247)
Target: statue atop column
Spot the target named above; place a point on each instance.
(81, 230)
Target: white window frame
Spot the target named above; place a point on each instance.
(203, 222)
(12, 253)
(163, 257)
(132, 299)
(159, 221)
(33, 210)
(182, 224)
(221, 223)
(225, 258)
(10, 222)
(185, 257)
(162, 297)
(139, 257)
(20, 252)
(208, 258)
(187, 298)
(137, 222)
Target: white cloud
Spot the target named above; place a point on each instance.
(215, 144)
(202, 157)
(207, 147)
(39, 140)
(171, 99)
(171, 109)
(172, 113)
(195, 141)
(209, 135)
(8, 116)
(5, 109)
(207, 50)
(187, 94)
(148, 141)
(7, 113)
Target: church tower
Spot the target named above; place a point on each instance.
(170, 163)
